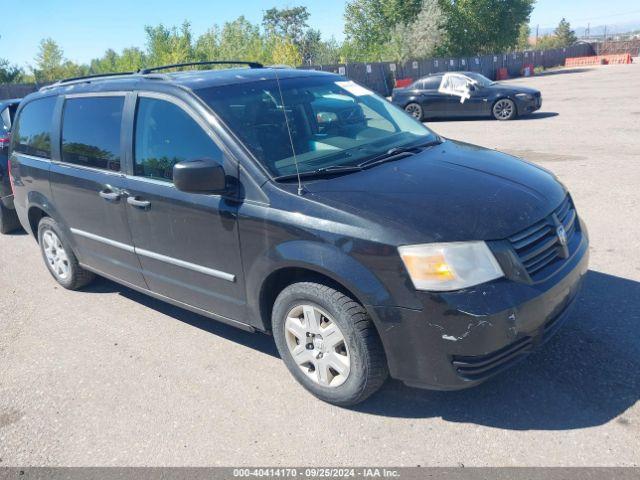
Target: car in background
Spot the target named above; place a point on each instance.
(8, 218)
(465, 94)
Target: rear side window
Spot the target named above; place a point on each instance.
(165, 135)
(91, 132)
(32, 131)
(432, 83)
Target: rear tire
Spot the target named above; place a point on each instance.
(343, 362)
(8, 220)
(59, 258)
(415, 110)
(504, 109)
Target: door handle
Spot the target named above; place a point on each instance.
(110, 195)
(135, 202)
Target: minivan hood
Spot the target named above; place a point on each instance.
(451, 192)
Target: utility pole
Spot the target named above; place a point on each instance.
(537, 33)
(588, 30)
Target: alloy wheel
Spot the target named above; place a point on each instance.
(503, 109)
(414, 110)
(317, 345)
(56, 255)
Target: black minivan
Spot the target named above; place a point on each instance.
(300, 204)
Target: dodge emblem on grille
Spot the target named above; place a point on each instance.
(562, 235)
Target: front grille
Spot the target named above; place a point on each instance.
(539, 248)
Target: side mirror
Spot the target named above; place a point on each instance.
(199, 176)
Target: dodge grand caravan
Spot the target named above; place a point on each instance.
(300, 204)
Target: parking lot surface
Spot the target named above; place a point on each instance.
(108, 376)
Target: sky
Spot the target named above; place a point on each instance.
(86, 28)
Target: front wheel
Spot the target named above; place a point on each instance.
(328, 343)
(415, 110)
(504, 109)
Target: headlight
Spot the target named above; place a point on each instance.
(449, 266)
(524, 96)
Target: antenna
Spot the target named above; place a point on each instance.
(286, 119)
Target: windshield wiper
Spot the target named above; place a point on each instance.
(392, 154)
(320, 172)
(397, 153)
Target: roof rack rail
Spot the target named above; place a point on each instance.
(84, 78)
(144, 71)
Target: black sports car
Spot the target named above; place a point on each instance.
(465, 94)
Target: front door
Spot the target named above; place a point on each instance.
(87, 186)
(187, 243)
(460, 96)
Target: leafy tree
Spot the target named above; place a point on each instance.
(286, 23)
(207, 45)
(523, 36)
(327, 52)
(169, 45)
(285, 52)
(10, 73)
(546, 42)
(420, 39)
(130, 60)
(241, 40)
(369, 25)
(49, 60)
(51, 64)
(564, 35)
(401, 11)
(106, 64)
(483, 26)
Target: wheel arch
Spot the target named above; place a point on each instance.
(34, 215)
(281, 278)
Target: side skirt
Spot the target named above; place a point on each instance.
(177, 303)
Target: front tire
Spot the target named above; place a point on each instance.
(504, 109)
(59, 258)
(415, 110)
(329, 344)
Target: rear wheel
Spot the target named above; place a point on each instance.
(504, 109)
(415, 110)
(59, 258)
(328, 343)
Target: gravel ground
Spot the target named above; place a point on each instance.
(110, 377)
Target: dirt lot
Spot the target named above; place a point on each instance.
(110, 377)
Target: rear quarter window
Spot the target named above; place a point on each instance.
(32, 130)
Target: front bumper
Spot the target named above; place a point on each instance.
(462, 338)
(528, 106)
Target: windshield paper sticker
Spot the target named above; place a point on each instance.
(354, 89)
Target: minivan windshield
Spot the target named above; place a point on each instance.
(330, 122)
